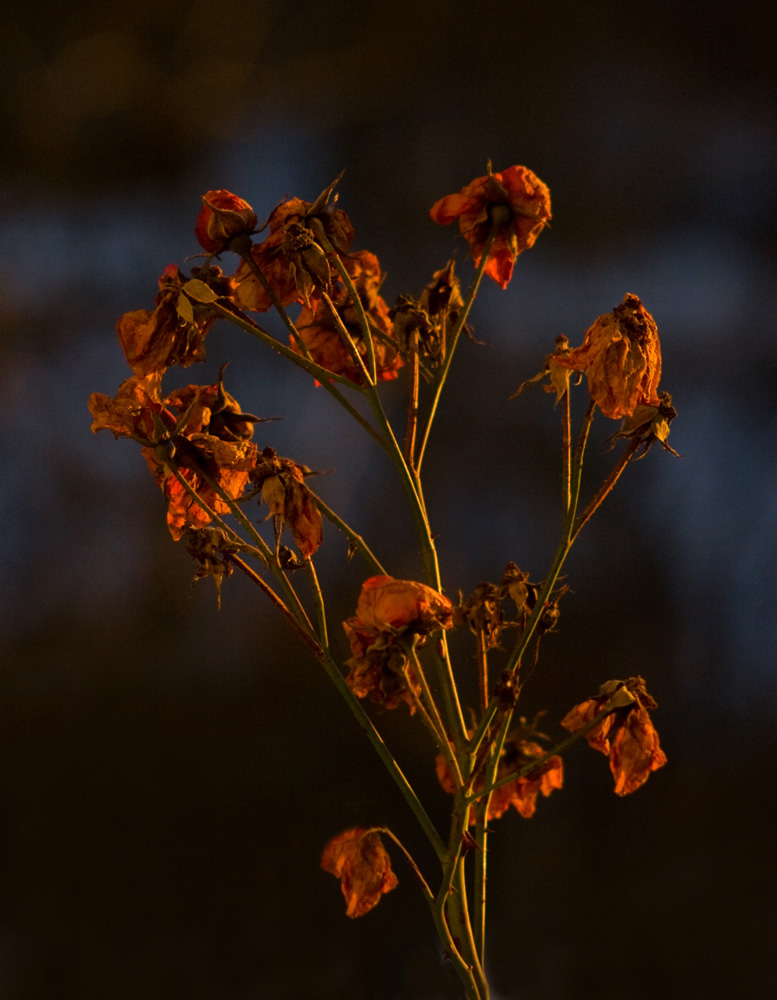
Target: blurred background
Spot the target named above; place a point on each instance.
(169, 773)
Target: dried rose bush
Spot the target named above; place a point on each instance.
(217, 484)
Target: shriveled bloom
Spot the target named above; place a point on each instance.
(174, 331)
(388, 608)
(648, 424)
(323, 212)
(621, 355)
(201, 427)
(291, 259)
(515, 199)
(282, 483)
(521, 793)
(358, 858)
(223, 216)
(320, 333)
(626, 735)
(386, 603)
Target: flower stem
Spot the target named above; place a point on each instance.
(455, 334)
(356, 540)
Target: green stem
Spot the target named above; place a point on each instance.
(555, 751)
(385, 755)
(356, 540)
(323, 376)
(427, 892)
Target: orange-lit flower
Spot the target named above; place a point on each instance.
(387, 609)
(389, 604)
(201, 427)
(522, 792)
(626, 735)
(269, 258)
(282, 483)
(136, 411)
(320, 333)
(174, 331)
(621, 354)
(223, 215)
(358, 858)
(336, 225)
(516, 200)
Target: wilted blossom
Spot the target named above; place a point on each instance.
(222, 217)
(626, 735)
(201, 427)
(387, 609)
(516, 200)
(358, 858)
(282, 483)
(621, 355)
(648, 424)
(291, 259)
(174, 331)
(320, 333)
(522, 792)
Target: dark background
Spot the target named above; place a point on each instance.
(169, 773)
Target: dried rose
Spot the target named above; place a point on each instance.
(389, 604)
(174, 331)
(223, 216)
(282, 483)
(621, 354)
(515, 199)
(626, 735)
(358, 858)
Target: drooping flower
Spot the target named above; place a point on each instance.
(320, 333)
(201, 427)
(358, 858)
(626, 735)
(621, 355)
(174, 331)
(282, 483)
(516, 200)
(223, 216)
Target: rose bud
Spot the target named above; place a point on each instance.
(223, 215)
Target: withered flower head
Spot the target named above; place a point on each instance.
(387, 609)
(201, 428)
(482, 611)
(621, 354)
(320, 333)
(321, 215)
(223, 216)
(626, 734)
(209, 548)
(516, 200)
(283, 489)
(386, 604)
(648, 424)
(519, 751)
(358, 858)
(443, 293)
(174, 331)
